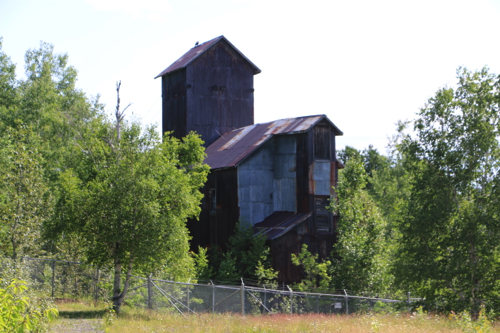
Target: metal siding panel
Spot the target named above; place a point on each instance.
(255, 179)
(285, 189)
(321, 177)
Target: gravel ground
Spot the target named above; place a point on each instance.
(76, 325)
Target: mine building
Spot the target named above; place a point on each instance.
(277, 177)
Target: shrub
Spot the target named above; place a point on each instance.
(19, 313)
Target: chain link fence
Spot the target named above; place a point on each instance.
(66, 279)
(61, 279)
(197, 298)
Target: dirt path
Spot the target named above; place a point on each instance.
(76, 325)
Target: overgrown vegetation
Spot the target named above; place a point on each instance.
(21, 313)
(78, 186)
(247, 257)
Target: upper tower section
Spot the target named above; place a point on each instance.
(208, 90)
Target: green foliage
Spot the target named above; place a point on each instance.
(468, 325)
(317, 278)
(41, 117)
(360, 260)
(129, 198)
(202, 264)
(247, 256)
(19, 313)
(7, 82)
(25, 200)
(450, 245)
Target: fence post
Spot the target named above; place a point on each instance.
(408, 301)
(188, 294)
(213, 296)
(96, 289)
(265, 298)
(242, 297)
(346, 303)
(291, 299)
(53, 276)
(150, 292)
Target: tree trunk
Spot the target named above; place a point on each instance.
(118, 294)
(117, 286)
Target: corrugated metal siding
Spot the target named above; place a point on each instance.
(255, 185)
(284, 183)
(321, 177)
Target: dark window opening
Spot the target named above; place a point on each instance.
(323, 216)
(322, 142)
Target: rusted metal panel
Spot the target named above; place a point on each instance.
(233, 147)
(198, 51)
(321, 177)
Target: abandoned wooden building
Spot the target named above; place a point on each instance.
(277, 176)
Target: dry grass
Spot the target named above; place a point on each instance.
(149, 321)
(139, 320)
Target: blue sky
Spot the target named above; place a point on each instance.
(366, 64)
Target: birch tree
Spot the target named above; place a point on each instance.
(450, 246)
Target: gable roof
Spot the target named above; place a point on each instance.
(233, 147)
(197, 51)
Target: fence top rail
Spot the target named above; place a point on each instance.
(275, 291)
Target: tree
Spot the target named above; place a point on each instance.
(129, 199)
(360, 260)
(7, 81)
(247, 257)
(25, 199)
(317, 277)
(49, 101)
(450, 246)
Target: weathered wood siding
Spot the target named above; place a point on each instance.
(173, 91)
(215, 228)
(220, 98)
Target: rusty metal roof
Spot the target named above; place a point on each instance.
(279, 223)
(196, 51)
(233, 147)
